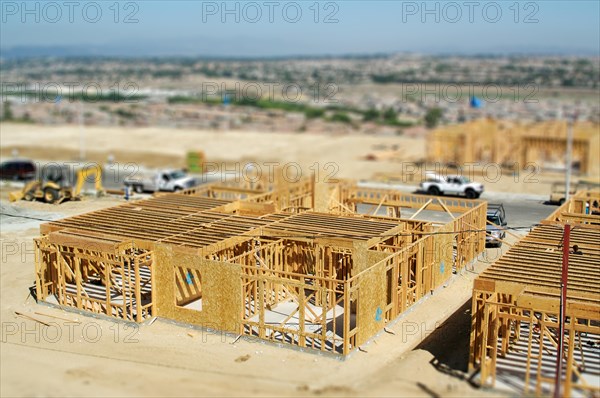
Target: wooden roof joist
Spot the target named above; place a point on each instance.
(191, 221)
(92, 243)
(536, 261)
(320, 224)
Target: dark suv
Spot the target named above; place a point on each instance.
(496, 218)
(17, 170)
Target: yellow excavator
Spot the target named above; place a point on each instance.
(55, 191)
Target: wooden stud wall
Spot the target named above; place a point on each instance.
(516, 301)
(99, 276)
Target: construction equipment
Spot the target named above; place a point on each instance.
(57, 189)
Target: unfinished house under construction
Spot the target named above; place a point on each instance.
(515, 316)
(313, 265)
(512, 144)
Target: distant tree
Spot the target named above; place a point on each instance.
(7, 112)
(371, 114)
(312, 113)
(432, 117)
(340, 117)
(390, 115)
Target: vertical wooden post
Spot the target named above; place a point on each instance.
(532, 320)
(419, 271)
(77, 263)
(39, 275)
(484, 339)
(107, 275)
(138, 294)
(496, 325)
(538, 382)
(570, 349)
(301, 314)
(395, 288)
(261, 303)
(346, 318)
(404, 271)
(153, 282)
(563, 304)
(475, 331)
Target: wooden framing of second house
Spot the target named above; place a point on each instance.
(514, 331)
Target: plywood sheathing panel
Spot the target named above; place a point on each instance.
(221, 290)
(323, 196)
(443, 246)
(371, 303)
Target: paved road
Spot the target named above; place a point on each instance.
(521, 209)
(524, 212)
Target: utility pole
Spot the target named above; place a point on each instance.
(569, 156)
(81, 134)
(563, 307)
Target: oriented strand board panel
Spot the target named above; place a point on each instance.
(364, 258)
(443, 257)
(322, 197)
(360, 257)
(372, 289)
(373, 257)
(221, 290)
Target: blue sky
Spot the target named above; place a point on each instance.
(197, 28)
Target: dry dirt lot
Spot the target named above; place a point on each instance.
(143, 144)
(343, 156)
(78, 355)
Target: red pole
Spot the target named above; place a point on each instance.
(563, 305)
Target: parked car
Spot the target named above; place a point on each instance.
(495, 231)
(437, 185)
(17, 170)
(162, 180)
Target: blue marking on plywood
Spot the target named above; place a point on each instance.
(378, 314)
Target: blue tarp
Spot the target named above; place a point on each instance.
(476, 102)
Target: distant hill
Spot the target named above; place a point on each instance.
(226, 49)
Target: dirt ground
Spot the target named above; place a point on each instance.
(330, 156)
(79, 355)
(142, 144)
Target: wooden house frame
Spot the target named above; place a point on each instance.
(511, 144)
(289, 263)
(516, 304)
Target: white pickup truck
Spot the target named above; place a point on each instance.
(437, 185)
(162, 180)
